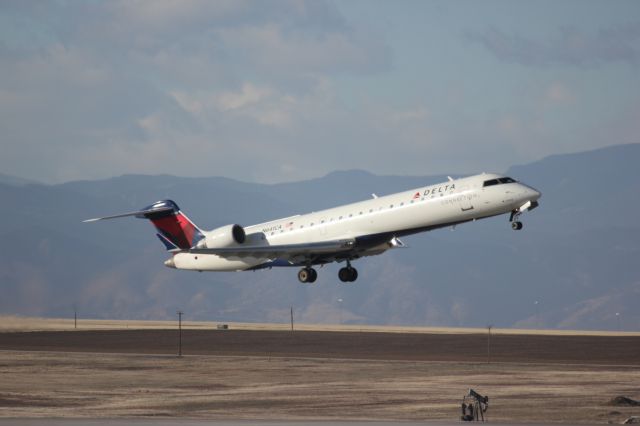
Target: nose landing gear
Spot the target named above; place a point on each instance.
(516, 225)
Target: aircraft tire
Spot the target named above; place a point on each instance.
(344, 274)
(354, 274)
(307, 275)
(348, 274)
(516, 226)
(304, 275)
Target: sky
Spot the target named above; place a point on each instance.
(274, 91)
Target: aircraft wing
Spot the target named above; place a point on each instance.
(283, 251)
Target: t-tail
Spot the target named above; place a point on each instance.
(175, 230)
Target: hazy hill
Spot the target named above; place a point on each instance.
(576, 256)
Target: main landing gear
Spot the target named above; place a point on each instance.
(307, 275)
(348, 273)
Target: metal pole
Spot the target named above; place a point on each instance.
(489, 344)
(292, 318)
(180, 333)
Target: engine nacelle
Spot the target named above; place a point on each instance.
(224, 236)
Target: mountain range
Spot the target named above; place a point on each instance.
(573, 266)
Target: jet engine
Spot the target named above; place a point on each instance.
(224, 236)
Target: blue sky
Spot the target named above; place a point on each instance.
(276, 91)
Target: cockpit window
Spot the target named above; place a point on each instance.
(498, 181)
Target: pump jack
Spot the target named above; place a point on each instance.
(474, 406)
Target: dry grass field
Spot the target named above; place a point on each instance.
(16, 323)
(279, 375)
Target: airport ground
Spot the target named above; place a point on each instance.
(273, 374)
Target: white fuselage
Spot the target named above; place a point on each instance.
(421, 209)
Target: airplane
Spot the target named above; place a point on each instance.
(340, 234)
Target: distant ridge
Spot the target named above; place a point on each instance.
(575, 256)
(16, 181)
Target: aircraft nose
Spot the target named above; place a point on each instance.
(170, 263)
(535, 194)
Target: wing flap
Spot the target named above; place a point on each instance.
(283, 251)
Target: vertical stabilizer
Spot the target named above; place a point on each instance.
(175, 230)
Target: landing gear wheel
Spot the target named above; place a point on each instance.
(516, 226)
(354, 274)
(348, 274)
(307, 275)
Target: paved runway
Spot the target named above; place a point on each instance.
(602, 350)
(181, 422)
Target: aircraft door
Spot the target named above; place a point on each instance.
(323, 226)
(466, 203)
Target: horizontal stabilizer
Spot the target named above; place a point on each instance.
(141, 213)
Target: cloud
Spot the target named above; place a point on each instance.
(266, 91)
(249, 95)
(418, 114)
(272, 48)
(558, 93)
(570, 47)
(127, 86)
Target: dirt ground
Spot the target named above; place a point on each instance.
(243, 374)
